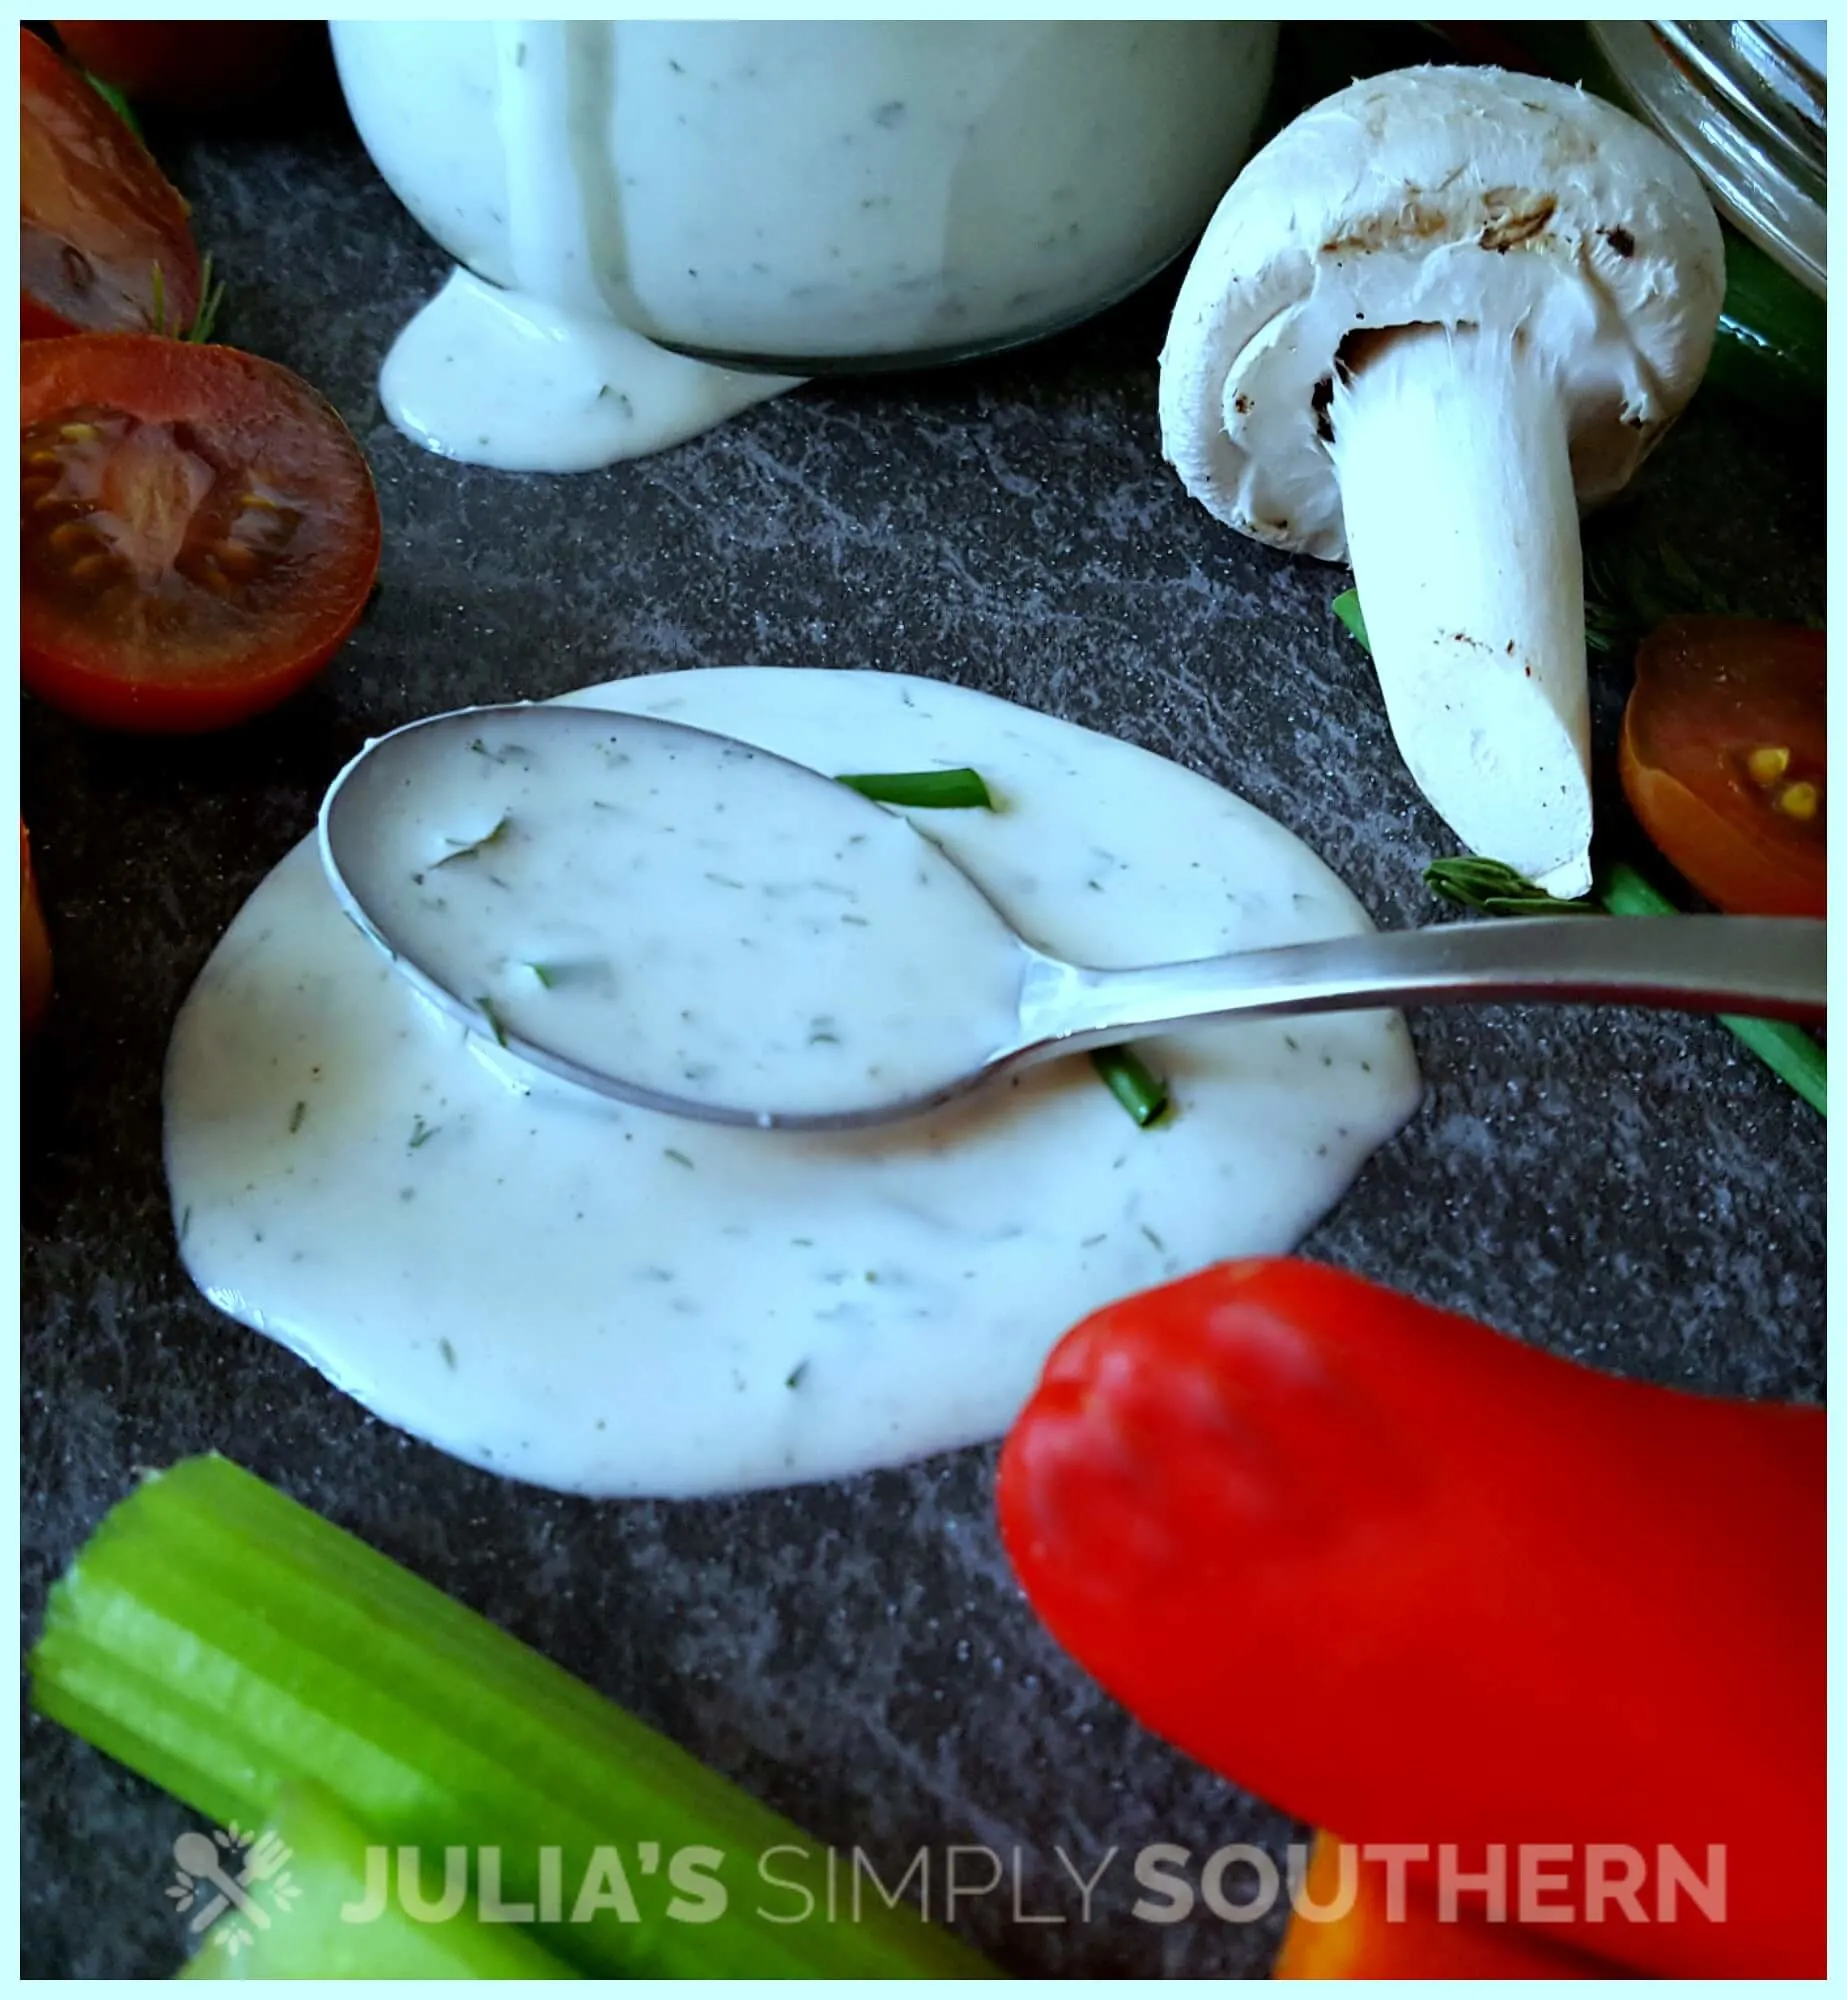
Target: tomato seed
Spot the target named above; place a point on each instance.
(1800, 801)
(72, 539)
(237, 559)
(1767, 763)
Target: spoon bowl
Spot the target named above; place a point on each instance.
(675, 919)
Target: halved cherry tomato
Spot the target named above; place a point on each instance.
(34, 944)
(189, 65)
(1725, 760)
(198, 531)
(103, 238)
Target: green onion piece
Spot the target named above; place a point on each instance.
(225, 1642)
(1790, 1051)
(491, 1014)
(1135, 1086)
(116, 103)
(1500, 891)
(941, 790)
(1346, 608)
(326, 1872)
(1132, 1083)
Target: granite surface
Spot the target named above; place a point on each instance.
(1631, 1190)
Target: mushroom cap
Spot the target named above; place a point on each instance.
(1437, 196)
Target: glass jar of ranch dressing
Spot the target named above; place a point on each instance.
(807, 197)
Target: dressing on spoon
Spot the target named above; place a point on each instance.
(720, 929)
(690, 923)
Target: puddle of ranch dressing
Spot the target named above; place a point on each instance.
(679, 911)
(612, 1301)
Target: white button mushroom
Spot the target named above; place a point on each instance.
(1434, 315)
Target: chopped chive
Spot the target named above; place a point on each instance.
(298, 1114)
(1346, 607)
(464, 850)
(1132, 1083)
(447, 1349)
(420, 1132)
(492, 1015)
(674, 1153)
(942, 791)
(542, 973)
(793, 1379)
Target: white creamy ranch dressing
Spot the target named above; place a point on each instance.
(615, 1302)
(502, 379)
(680, 911)
(790, 194)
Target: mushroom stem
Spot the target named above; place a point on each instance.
(1453, 457)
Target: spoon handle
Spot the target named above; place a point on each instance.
(1774, 966)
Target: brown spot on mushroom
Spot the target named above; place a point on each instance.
(1241, 403)
(1514, 217)
(1387, 230)
(1619, 240)
(1510, 645)
(1319, 402)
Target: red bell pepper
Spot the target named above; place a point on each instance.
(1410, 1579)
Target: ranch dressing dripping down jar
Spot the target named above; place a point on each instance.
(792, 197)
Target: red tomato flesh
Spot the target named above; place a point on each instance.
(190, 65)
(1725, 760)
(103, 238)
(199, 531)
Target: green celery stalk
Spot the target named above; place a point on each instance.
(308, 1938)
(226, 1642)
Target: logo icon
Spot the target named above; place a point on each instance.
(226, 1878)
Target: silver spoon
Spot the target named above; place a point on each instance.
(1704, 964)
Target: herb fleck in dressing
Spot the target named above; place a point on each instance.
(680, 911)
(639, 1304)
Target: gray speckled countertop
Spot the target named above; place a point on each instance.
(1631, 1190)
